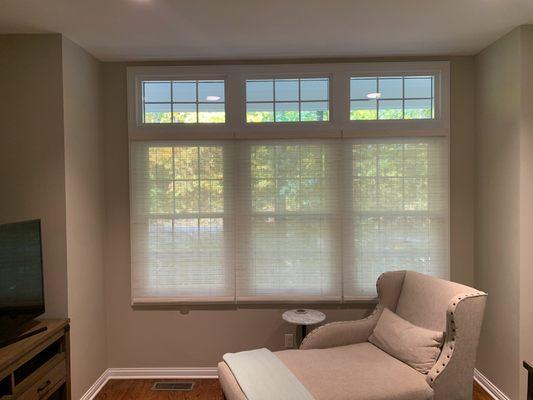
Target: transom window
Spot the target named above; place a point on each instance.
(287, 100)
(392, 97)
(183, 101)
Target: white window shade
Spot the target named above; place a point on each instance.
(288, 232)
(398, 217)
(181, 222)
(285, 220)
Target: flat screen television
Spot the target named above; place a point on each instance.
(21, 278)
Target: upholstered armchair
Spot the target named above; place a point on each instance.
(336, 361)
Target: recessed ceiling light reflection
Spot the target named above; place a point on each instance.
(373, 96)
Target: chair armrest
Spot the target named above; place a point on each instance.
(342, 333)
(451, 376)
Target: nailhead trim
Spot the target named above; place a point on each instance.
(450, 340)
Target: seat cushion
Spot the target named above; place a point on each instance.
(355, 372)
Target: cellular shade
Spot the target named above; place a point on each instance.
(284, 220)
(181, 222)
(288, 232)
(398, 217)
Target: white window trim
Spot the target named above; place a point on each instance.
(339, 125)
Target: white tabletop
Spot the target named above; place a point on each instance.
(304, 316)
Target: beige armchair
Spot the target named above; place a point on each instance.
(336, 361)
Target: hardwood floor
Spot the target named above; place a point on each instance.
(204, 389)
(480, 394)
(131, 389)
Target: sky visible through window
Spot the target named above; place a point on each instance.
(392, 97)
(287, 100)
(183, 101)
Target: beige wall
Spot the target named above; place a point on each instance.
(462, 169)
(526, 202)
(83, 132)
(51, 158)
(168, 338)
(504, 225)
(32, 178)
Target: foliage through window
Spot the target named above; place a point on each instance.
(317, 219)
(184, 219)
(287, 100)
(288, 243)
(399, 208)
(392, 97)
(183, 102)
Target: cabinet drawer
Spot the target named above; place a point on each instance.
(44, 386)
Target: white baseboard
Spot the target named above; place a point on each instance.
(96, 387)
(148, 373)
(162, 373)
(489, 387)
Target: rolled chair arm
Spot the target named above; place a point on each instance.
(334, 334)
(342, 333)
(451, 376)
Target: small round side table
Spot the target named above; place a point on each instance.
(303, 317)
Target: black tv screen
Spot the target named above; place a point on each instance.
(21, 276)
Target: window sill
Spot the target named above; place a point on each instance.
(213, 304)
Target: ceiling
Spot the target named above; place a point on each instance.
(260, 29)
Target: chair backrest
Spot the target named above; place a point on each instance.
(440, 305)
(424, 300)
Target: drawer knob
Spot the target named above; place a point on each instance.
(46, 384)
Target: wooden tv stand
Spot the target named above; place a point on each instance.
(38, 367)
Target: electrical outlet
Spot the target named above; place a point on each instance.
(289, 341)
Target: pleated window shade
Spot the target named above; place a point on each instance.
(182, 222)
(284, 220)
(288, 236)
(399, 211)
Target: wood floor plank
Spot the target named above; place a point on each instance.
(480, 394)
(132, 389)
(204, 389)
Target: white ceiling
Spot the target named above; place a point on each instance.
(254, 29)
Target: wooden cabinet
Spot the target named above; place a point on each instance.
(37, 368)
(528, 365)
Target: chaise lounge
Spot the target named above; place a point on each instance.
(337, 361)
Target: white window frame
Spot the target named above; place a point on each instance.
(339, 125)
(289, 76)
(196, 103)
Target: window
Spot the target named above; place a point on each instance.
(399, 210)
(181, 222)
(390, 194)
(187, 101)
(288, 233)
(392, 97)
(231, 204)
(287, 100)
